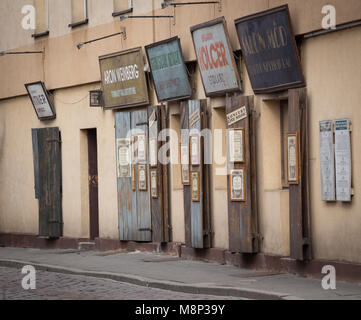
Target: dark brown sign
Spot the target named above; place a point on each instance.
(269, 49)
(123, 79)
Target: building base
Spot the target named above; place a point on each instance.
(345, 271)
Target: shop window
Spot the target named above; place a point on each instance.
(41, 18)
(122, 7)
(79, 13)
(284, 130)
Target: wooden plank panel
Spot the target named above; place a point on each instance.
(142, 228)
(186, 188)
(242, 216)
(34, 137)
(206, 172)
(197, 207)
(122, 126)
(300, 243)
(50, 183)
(164, 124)
(156, 203)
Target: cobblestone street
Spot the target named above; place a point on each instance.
(57, 286)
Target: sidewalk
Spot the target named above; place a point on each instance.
(176, 274)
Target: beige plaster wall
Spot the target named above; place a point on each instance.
(332, 67)
(18, 206)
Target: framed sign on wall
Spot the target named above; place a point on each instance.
(236, 145)
(215, 58)
(292, 158)
(168, 70)
(185, 164)
(237, 185)
(142, 177)
(195, 186)
(270, 51)
(123, 79)
(154, 183)
(39, 97)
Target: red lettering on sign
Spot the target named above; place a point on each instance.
(213, 56)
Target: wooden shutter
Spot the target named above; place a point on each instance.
(197, 213)
(133, 205)
(159, 205)
(242, 216)
(300, 234)
(47, 169)
(186, 188)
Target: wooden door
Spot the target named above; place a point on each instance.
(242, 210)
(133, 202)
(197, 209)
(48, 180)
(158, 174)
(93, 184)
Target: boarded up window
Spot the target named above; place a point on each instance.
(78, 10)
(122, 5)
(41, 10)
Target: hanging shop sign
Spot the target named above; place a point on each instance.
(39, 97)
(269, 50)
(215, 57)
(168, 70)
(123, 79)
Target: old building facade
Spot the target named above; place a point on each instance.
(278, 217)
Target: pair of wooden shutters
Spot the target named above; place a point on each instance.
(194, 119)
(142, 214)
(242, 215)
(48, 180)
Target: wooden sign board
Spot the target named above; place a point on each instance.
(168, 70)
(215, 58)
(269, 50)
(123, 79)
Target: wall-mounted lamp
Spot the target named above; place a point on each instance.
(176, 4)
(144, 17)
(123, 32)
(3, 53)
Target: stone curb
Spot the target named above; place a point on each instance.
(159, 284)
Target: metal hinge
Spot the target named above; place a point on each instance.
(144, 229)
